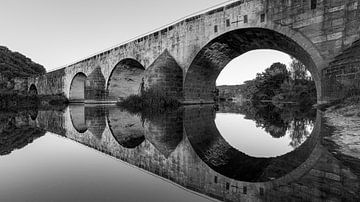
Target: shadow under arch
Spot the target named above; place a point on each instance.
(77, 88)
(220, 156)
(200, 79)
(77, 117)
(126, 128)
(33, 90)
(125, 79)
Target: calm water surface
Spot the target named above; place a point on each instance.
(231, 152)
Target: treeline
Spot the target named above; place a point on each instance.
(277, 84)
(14, 64)
(14, 68)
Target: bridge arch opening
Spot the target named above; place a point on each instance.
(125, 79)
(77, 88)
(33, 90)
(201, 76)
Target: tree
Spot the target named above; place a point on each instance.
(298, 70)
(268, 83)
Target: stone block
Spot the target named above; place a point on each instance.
(332, 176)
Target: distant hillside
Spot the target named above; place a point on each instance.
(14, 64)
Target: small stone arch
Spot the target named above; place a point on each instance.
(77, 88)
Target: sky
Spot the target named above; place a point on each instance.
(55, 33)
(246, 66)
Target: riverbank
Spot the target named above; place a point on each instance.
(20, 102)
(345, 119)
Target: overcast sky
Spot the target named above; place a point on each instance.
(55, 33)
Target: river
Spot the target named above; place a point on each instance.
(225, 152)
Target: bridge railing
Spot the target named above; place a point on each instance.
(150, 32)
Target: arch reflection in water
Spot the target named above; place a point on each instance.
(164, 132)
(203, 161)
(268, 131)
(88, 118)
(77, 116)
(217, 153)
(126, 128)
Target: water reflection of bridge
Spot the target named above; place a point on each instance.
(186, 148)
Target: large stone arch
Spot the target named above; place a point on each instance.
(125, 79)
(209, 61)
(77, 88)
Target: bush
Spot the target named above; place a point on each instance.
(149, 102)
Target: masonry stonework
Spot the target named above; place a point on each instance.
(342, 77)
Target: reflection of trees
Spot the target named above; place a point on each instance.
(16, 132)
(278, 120)
(299, 131)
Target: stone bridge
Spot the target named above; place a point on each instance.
(184, 59)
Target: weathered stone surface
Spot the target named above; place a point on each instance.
(51, 83)
(165, 75)
(342, 77)
(95, 85)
